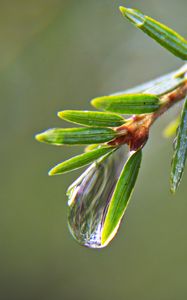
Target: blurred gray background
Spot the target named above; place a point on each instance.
(55, 55)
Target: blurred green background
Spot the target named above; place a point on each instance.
(55, 55)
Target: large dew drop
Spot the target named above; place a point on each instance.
(89, 198)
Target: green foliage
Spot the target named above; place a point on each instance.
(91, 147)
(165, 36)
(171, 128)
(167, 85)
(76, 136)
(127, 103)
(99, 197)
(121, 196)
(180, 153)
(80, 161)
(92, 118)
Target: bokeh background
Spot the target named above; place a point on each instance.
(55, 55)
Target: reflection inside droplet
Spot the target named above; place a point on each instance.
(89, 197)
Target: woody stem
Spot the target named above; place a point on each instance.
(135, 132)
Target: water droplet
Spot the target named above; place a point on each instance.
(89, 197)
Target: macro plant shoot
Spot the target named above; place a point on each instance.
(115, 136)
